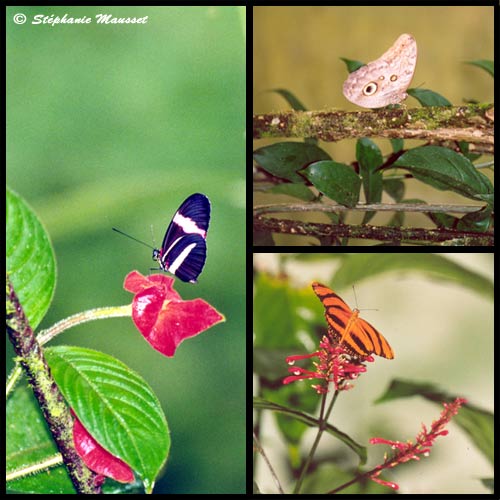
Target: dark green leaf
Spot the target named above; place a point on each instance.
(115, 405)
(485, 64)
(277, 327)
(397, 144)
(335, 180)
(29, 442)
(488, 198)
(443, 221)
(395, 188)
(30, 259)
(262, 404)
(428, 97)
(369, 158)
(262, 239)
(329, 473)
(284, 159)
(358, 267)
(444, 169)
(488, 483)
(352, 65)
(479, 221)
(464, 149)
(296, 190)
(368, 155)
(292, 100)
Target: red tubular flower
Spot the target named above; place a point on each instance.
(424, 442)
(334, 364)
(96, 458)
(160, 314)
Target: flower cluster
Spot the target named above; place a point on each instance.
(424, 441)
(335, 364)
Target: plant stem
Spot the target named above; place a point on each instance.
(50, 399)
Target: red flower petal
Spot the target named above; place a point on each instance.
(98, 459)
(135, 282)
(162, 317)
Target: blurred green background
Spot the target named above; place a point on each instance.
(115, 125)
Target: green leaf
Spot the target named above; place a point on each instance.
(397, 145)
(30, 259)
(284, 159)
(261, 404)
(485, 64)
(444, 169)
(290, 98)
(277, 326)
(29, 443)
(478, 221)
(115, 405)
(358, 267)
(488, 482)
(296, 190)
(270, 362)
(476, 422)
(330, 472)
(369, 157)
(428, 97)
(395, 188)
(443, 220)
(352, 65)
(335, 180)
(263, 239)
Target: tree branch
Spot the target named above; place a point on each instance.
(50, 399)
(472, 123)
(260, 210)
(461, 238)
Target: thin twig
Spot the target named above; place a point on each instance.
(264, 456)
(399, 234)
(260, 210)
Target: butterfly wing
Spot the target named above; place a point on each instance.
(366, 335)
(186, 257)
(337, 312)
(183, 251)
(361, 338)
(192, 216)
(385, 80)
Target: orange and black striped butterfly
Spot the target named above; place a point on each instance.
(357, 335)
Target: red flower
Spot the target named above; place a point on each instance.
(98, 459)
(424, 441)
(334, 364)
(162, 317)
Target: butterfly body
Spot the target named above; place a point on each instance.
(358, 336)
(183, 250)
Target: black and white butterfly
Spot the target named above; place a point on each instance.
(184, 250)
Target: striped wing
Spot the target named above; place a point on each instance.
(361, 338)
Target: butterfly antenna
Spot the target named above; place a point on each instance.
(356, 300)
(153, 236)
(132, 238)
(355, 297)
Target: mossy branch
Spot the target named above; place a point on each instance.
(399, 234)
(54, 409)
(472, 123)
